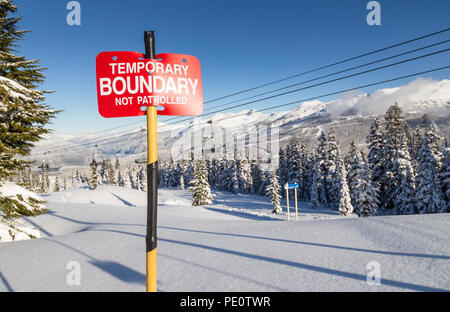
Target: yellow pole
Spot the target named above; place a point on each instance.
(152, 158)
(296, 210)
(287, 202)
(152, 178)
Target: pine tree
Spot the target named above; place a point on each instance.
(93, 179)
(103, 172)
(282, 167)
(181, 187)
(245, 177)
(319, 190)
(331, 163)
(364, 193)
(126, 178)
(256, 174)
(46, 181)
(396, 147)
(117, 165)
(23, 116)
(367, 194)
(201, 192)
(444, 175)
(73, 180)
(429, 197)
(354, 173)
(292, 161)
(57, 187)
(111, 172)
(375, 157)
(65, 183)
(141, 178)
(273, 190)
(404, 173)
(233, 178)
(42, 184)
(265, 181)
(345, 206)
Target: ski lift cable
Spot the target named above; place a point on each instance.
(277, 106)
(332, 74)
(324, 67)
(329, 94)
(313, 70)
(323, 83)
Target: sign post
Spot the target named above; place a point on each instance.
(288, 187)
(165, 84)
(152, 177)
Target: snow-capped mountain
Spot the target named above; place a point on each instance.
(350, 115)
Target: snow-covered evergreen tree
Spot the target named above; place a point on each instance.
(319, 190)
(73, 180)
(201, 192)
(292, 160)
(429, 197)
(354, 171)
(232, 177)
(364, 192)
(181, 183)
(110, 172)
(120, 180)
(367, 194)
(375, 157)
(126, 178)
(345, 206)
(331, 162)
(93, 178)
(65, 183)
(273, 190)
(396, 134)
(57, 187)
(23, 115)
(282, 170)
(141, 179)
(444, 175)
(245, 177)
(404, 173)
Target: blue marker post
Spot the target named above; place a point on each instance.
(288, 187)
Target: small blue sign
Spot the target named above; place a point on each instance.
(291, 186)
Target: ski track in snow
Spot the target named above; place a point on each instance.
(235, 244)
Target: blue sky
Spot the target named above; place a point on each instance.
(240, 44)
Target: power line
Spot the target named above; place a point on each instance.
(302, 100)
(317, 78)
(332, 74)
(322, 83)
(330, 65)
(303, 73)
(299, 83)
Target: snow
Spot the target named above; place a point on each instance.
(17, 229)
(235, 244)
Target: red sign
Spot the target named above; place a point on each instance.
(126, 81)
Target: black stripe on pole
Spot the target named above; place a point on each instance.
(152, 169)
(152, 202)
(149, 40)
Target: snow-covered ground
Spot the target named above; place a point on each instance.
(236, 244)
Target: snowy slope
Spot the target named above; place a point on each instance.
(233, 245)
